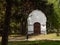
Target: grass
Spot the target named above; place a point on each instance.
(45, 42)
(40, 42)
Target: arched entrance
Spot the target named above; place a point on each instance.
(37, 28)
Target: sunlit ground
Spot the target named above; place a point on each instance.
(51, 36)
(33, 37)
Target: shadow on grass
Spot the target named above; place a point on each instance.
(41, 42)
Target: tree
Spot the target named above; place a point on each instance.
(55, 16)
(6, 23)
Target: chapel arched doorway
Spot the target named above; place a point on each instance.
(37, 28)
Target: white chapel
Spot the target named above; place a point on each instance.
(37, 22)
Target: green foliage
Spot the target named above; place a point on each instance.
(55, 16)
(2, 13)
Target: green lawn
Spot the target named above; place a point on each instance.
(45, 42)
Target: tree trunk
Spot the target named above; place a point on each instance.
(26, 30)
(6, 23)
(57, 32)
(23, 27)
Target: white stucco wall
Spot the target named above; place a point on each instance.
(36, 16)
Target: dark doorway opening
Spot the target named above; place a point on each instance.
(37, 28)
